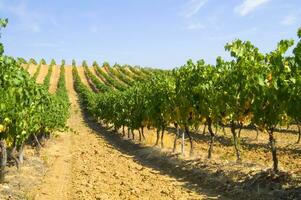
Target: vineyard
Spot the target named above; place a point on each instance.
(199, 131)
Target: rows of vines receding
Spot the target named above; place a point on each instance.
(101, 87)
(27, 110)
(252, 89)
(257, 89)
(108, 79)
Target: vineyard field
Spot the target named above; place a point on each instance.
(229, 130)
(255, 153)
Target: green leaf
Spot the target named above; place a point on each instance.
(284, 45)
(3, 22)
(299, 32)
(1, 49)
(293, 80)
(275, 85)
(261, 81)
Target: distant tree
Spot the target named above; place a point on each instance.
(52, 62)
(84, 63)
(73, 63)
(3, 23)
(95, 64)
(63, 62)
(32, 61)
(116, 65)
(106, 64)
(42, 61)
(22, 60)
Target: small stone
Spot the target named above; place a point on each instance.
(5, 187)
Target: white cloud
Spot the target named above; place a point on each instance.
(248, 6)
(289, 20)
(195, 26)
(192, 7)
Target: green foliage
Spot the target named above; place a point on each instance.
(84, 64)
(95, 64)
(106, 64)
(263, 89)
(21, 61)
(62, 95)
(35, 75)
(98, 84)
(147, 104)
(32, 61)
(297, 50)
(87, 97)
(136, 70)
(126, 70)
(108, 79)
(299, 33)
(52, 62)
(73, 63)
(294, 64)
(114, 72)
(25, 107)
(270, 109)
(46, 81)
(43, 62)
(3, 23)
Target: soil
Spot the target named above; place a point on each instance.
(54, 78)
(32, 69)
(82, 76)
(43, 72)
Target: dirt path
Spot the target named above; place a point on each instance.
(42, 73)
(57, 181)
(86, 166)
(54, 78)
(32, 69)
(82, 76)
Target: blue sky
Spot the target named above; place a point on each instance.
(153, 33)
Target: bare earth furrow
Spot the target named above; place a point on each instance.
(82, 76)
(42, 74)
(54, 78)
(32, 69)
